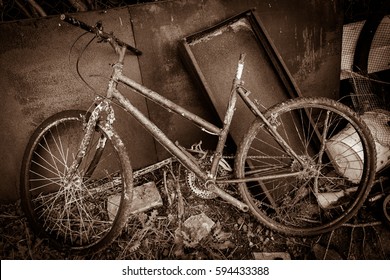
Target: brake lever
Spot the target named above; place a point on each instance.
(99, 28)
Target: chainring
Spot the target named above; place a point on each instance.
(198, 187)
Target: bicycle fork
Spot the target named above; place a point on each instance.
(102, 106)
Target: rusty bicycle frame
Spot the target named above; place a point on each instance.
(208, 176)
(183, 156)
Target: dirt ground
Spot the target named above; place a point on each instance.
(234, 235)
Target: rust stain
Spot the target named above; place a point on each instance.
(312, 45)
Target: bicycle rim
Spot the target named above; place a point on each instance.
(325, 185)
(84, 213)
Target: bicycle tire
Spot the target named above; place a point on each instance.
(86, 214)
(386, 209)
(329, 191)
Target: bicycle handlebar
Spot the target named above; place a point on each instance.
(99, 33)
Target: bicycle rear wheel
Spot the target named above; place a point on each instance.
(322, 181)
(87, 212)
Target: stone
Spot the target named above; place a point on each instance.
(145, 197)
(197, 227)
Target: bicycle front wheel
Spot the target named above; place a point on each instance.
(312, 171)
(84, 213)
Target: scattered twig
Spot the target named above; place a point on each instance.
(152, 168)
(232, 252)
(364, 242)
(153, 235)
(9, 216)
(350, 243)
(371, 224)
(166, 188)
(327, 246)
(179, 241)
(180, 202)
(28, 239)
(380, 241)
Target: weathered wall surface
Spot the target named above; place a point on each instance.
(38, 78)
(307, 35)
(36, 81)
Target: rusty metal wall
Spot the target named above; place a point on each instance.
(307, 35)
(36, 81)
(38, 78)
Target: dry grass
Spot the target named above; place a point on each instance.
(158, 234)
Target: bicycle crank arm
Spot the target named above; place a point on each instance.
(227, 197)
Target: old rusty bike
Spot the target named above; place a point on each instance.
(304, 166)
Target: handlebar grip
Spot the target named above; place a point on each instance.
(78, 23)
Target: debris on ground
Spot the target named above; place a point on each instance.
(322, 253)
(195, 228)
(145, 197)
(175, 223)
(271, 256)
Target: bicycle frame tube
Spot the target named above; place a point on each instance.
(209, 177)
(158, 99)
(160, 135)
(206, 126)
(203, 124)
(245, 97)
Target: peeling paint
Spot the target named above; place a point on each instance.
(241, 24)
(236, 26)
(207, 37)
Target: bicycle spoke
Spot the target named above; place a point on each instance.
(75, 211)
(319, 194)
